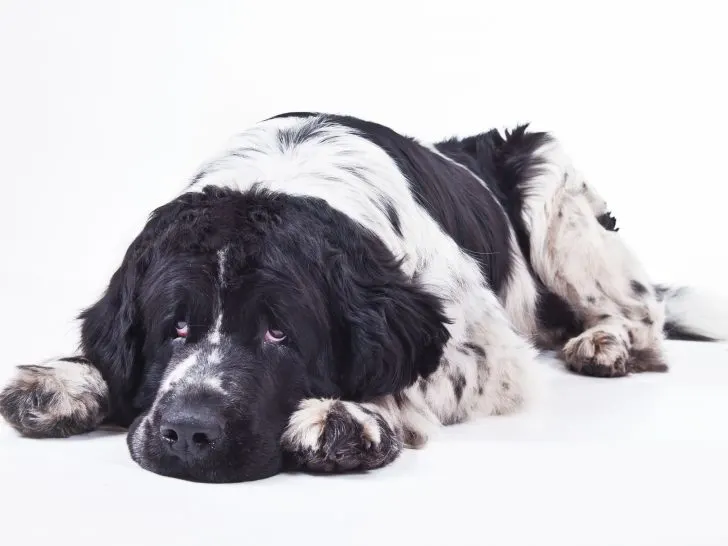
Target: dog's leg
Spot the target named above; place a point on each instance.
(55, 399)
(326, 435)
(579, 256)
(482, 372)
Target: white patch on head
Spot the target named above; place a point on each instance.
(221, 261)
(179, 372)
(214, 336)
(198, 368)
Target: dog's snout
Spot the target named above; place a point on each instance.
(215, 418)
(191, 433)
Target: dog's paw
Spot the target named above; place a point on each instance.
(597, 352)
(54, 400)
(334, 436)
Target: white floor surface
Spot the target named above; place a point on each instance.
(633, 461)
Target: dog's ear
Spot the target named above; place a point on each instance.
(112, 334)
(390, 330)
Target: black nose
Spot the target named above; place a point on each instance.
(190, 434)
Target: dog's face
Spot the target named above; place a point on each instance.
(231, 347)
(230, 308)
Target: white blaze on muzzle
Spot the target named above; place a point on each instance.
(198, 370)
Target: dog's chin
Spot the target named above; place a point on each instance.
(174, 468)
(224, 468)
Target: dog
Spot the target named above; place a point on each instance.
(327, 292)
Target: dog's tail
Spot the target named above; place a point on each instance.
(693, 315)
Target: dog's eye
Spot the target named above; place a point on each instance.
(182, 328)
(274, 336)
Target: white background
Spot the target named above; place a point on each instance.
(106, 108)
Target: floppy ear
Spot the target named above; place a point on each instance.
(112, 336)
(392, 331)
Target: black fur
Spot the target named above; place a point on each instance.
(638, 288)
(678, 332)
(506, 163)
(458, 385)
(465, 210)
(608, 222)
(394, 218)
(477, 349)
(75, 359)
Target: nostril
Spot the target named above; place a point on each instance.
(187, 434)
(170, 435)
(201, 439)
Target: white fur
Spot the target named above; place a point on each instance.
(179, 372)
(519, 294)
(589, 347)
(221, 261)
(57, 391)
(589, 267)
(198, 368)
(214, 336)
(307, 424)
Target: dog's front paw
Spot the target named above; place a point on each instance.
(597, 352)
(334, 436)
(55, 400)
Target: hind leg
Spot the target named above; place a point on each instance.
(55, 399)
(578, 255)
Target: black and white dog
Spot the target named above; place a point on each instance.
(327, 290)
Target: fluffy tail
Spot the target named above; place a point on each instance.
(694, 316)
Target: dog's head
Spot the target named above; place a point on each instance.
(230, 308)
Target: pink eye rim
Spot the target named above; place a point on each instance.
(182, 329)
(274, 336)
